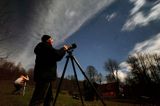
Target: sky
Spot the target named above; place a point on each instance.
(102, 29)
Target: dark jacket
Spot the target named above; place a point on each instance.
(46, 61)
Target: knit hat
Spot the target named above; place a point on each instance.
(45, 38)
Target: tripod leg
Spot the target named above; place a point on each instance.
(88, 80)
(59, 85)
(75, 74)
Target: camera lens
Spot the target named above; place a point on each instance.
(73, 46)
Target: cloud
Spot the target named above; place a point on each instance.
(137, 5)
(124, 67)
(123, 71)
(111, 16)
(122, 75)
(63, 18)
(58, 18)
(149, 46)
(138, 17)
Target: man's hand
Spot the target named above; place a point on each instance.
(66, 47)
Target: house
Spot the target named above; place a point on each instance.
(108, 90)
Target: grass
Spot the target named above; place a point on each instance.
(7, 99)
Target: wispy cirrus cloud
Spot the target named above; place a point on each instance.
(58, 18)
(138, 17)
(151, 45)
(109, 17)
(63, 18)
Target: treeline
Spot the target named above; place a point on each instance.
(9, 70)
(144, 76)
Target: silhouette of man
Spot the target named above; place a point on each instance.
(45, 70)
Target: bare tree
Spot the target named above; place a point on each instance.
(91, 73)
(111, 66)
(145, 67)
(8, 70)
(156, 65)
(144, 72)
(99, 78)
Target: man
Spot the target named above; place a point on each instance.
(45, 70)
(20, 83)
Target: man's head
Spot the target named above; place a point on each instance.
(47, 38)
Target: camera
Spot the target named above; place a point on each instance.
(72, 46)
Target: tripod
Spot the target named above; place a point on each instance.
(73, 59)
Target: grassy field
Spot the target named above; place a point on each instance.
(7, 99)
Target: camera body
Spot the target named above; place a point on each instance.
(72, 46)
